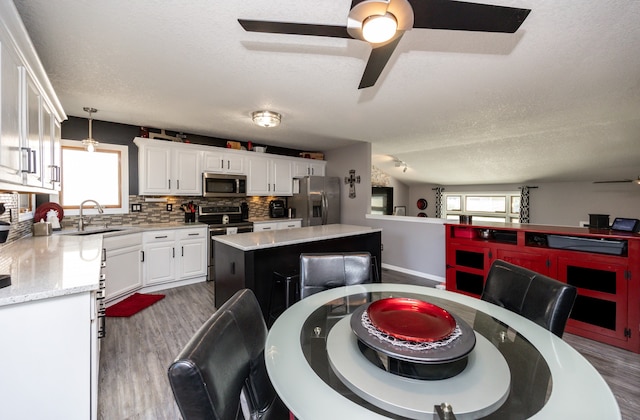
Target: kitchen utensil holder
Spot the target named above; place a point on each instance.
(189, 217)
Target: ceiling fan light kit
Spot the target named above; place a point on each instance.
(266, 119)
(407, 14)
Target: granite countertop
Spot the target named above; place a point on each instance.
(274, 238)
(64, 263)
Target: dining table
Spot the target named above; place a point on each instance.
(331, 355)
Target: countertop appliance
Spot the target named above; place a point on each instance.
(221, 185)
(277, 209)
(222, 220)
(317, 200)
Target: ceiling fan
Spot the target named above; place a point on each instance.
(382, 23)
(616, 181)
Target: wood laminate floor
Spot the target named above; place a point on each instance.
(137, 351)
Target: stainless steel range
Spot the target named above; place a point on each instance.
(222, 220)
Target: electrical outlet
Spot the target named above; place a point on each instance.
(169, 207)
(136, 208)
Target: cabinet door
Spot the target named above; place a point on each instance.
(317, 168)
(159, 262)
(33, 141)
(10, 88)
(155, 170)
(258, 176)
(123, 271)
(539, 263)
(193, 258)
(235, 164)
(281, 178)
(467, 268)
(213, 162)
(57, 155)
(300, 169)
(187, 174)
(48, 170)
(601, 304)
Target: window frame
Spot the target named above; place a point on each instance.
(508, 215)
(123, 150)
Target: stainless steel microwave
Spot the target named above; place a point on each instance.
(221, 185)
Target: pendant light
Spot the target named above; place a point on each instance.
(90, 143)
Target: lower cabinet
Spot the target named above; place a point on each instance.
(48, 371)
(123, 265)
(172, 255)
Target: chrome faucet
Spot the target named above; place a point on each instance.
(81, 222)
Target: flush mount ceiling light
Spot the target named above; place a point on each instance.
(266, 118)
(379, 28)
(90, 143)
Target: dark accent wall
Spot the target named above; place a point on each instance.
(76, 128)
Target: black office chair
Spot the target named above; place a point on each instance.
(543, 300)
(224, 359)
(322, 271)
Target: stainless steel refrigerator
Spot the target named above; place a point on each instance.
(316, 199)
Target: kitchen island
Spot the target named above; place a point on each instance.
(248, 260)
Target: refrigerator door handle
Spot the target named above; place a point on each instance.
(325, 208)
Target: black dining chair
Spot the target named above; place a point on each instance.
(539, 298)
(220, 374)
(322, 271)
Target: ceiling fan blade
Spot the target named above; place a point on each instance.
(463, 16)
(614, 181)
(294, 28)
(377, 61)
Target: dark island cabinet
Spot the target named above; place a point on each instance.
(254, 269)
(603, 264)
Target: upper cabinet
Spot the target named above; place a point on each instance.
(269, 176)
(222, 161)
(30, 113)
(165, 168)
(306, 167)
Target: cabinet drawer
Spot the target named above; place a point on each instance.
(159, 236)
(290, 224)
(122, 241)
(200, 233)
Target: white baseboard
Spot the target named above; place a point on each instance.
(414, 273)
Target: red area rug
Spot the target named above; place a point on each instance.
(132, 305)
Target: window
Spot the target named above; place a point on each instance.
(484, 207)
(101, 175)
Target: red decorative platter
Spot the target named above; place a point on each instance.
(43, 209)
(411, 319)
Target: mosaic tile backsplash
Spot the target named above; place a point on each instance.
(150, 212)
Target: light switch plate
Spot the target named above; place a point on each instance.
(169, 207)
(136, 208)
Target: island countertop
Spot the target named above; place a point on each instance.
(275, 238)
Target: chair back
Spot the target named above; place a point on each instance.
(322, 271)
(543, 300)
(223, 359)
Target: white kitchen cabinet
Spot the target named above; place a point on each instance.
(269, 176)
(10, 142)
(49, 368)
(174, 255)
(123, 267)
(168, 169)
(192, 246)
(290, 224)
(307, 167)
(50, 150)
(276, 225)
(32, 142)
(223, 162)
(159, 256)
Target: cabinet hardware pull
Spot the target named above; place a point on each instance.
(182, 251)
(194, 234)
(142, 255)
(178, 184)
(161, 237)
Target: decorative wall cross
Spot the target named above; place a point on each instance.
(352, 180)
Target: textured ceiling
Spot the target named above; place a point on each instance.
(559, 100)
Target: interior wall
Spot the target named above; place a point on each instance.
(417, 192)
(341, 160)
